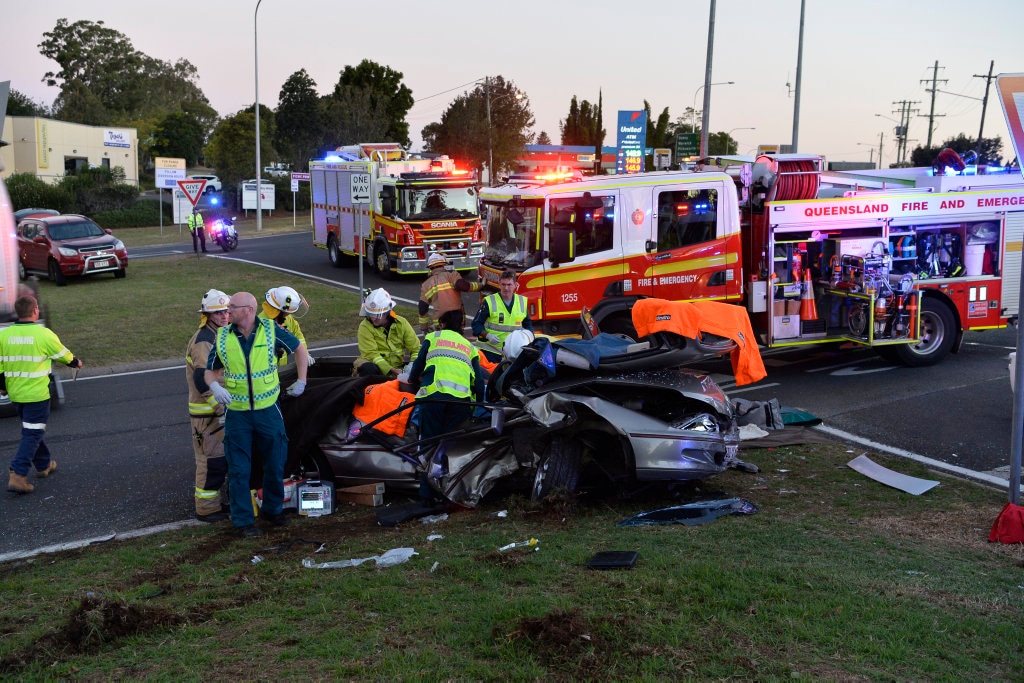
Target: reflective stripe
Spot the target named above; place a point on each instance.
(15, 373)
(203, 493)
(200, 409)
(451, 358)
(256, 369)
(500, 321)
(37, 426)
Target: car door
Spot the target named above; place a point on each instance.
(33, 254)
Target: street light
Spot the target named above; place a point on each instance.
(693, 109)
(901, 139)
(256, 71)
(729, 136)
(871, 150)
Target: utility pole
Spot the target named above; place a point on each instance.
(903, 128)
(706, 114)
(881, 137)
(984, 101)
(931, 114)
(799, 72)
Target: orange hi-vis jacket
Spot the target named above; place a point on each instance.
(690, 318)
(380, 399)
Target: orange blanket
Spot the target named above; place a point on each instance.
(380, 399)
(690, 318)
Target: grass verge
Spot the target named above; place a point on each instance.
(174, 234)
(836, 577)
(151, 314)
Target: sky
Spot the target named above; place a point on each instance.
(861, 58)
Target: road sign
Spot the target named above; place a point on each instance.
(193, 189)
(687, 145)
(168, 172)
(296, 175)
(360, 188)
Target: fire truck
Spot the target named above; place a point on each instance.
(902, 261)
(378, 202)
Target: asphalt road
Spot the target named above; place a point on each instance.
(122, 442)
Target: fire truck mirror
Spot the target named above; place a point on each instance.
(563, 240)
(514, 216)
(589, 202)
(388, 197)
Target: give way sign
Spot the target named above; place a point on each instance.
(193, 189)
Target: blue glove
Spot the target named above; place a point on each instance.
(220, 394)
(297, 388)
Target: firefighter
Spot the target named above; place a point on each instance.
(206, 414)
(443, 290)
(500, 313)
(384, 337)
(198, 230)
(282, 305)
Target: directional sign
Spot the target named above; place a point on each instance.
(360, 188)
(168, 172)
(193, 189)
(296, 175)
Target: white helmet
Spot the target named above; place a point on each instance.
(284, 299)
(515, 341)
(377, 303)
(436, 259)
(214, 300)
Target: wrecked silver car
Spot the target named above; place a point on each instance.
(550, 422)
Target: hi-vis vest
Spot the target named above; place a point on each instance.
(195, 220)
(501, 322)
(451, 357)
(26, 352)
(252, 382)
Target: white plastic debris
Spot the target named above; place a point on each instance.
(434, 566)
(434, 519)
(434, 537)
(388, 559)
(531, 543)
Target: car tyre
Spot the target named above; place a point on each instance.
(54, 271)
(120, 273)
(22, 271)
(559, 467)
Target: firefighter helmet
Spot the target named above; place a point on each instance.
(377, 303)
(214, 300)
(437, 259)
(284, 299)
(515, 341)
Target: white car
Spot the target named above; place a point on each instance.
(213, 183)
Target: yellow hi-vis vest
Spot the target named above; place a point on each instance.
(26, 352)
(500, 323)
(252, 382)
(451, 357)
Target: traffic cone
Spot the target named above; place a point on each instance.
(808, 307)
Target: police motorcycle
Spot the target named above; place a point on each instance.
(223, 232)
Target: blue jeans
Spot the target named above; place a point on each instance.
(32, 450)
(264, 430)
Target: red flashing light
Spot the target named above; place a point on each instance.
(459, 171)
(682, 209)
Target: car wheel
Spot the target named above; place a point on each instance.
(54, 271)
(559, 467)
(22, 273)
(120, 273)
(382, 261)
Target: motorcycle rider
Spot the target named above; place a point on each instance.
(198, 230)
(206, 414)
(281, 305)
(443, 289)
(384, 337)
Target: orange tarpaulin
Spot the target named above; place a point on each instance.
(690, 318)
(380, 399)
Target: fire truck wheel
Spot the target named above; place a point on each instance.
(559, 468)
(333, 252)
(938, 330)
(382, 261)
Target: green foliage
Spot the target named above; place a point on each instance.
(100, 189)
(582, 125)
(27, 191)
(139, 214)
(352, 115)
(384, 91)
(178, 135)
(543, 138)
(989, 151)
(300, 120)
(232, 148)
(20, 104)
(463, 134)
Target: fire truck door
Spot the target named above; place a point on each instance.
(688, 261)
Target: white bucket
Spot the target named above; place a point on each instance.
(974, 259)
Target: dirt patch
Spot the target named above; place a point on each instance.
(94, 623)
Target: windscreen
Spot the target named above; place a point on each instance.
(72, 231)
(513, 238)
(438, 203)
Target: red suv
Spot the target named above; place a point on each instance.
(68, 245)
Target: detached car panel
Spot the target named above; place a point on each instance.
(69, 245)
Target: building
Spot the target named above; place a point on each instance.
(549, 158)
(53, 149)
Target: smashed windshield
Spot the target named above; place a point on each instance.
(512, 237)
(437, 203)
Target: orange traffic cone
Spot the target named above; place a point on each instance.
(808, 307)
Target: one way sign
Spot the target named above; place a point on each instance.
(360, 188)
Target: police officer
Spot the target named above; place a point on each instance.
(198, 230)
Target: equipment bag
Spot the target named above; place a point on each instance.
(1009, 525)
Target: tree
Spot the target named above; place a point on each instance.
(382, 90)
(351, 115)
(543, 139)
(582, 126)
(463, 133)
(20, 104)
(178, 135)
(232, 147)
(104, 80)
(989, 151)
(300, 120)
